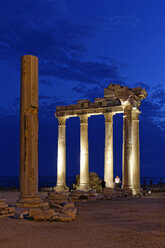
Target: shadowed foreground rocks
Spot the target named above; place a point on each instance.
(114, 223)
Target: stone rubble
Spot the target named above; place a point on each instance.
(57, 198)
(78, 195)
(115, 193)
(94, 182)
(5, 210)
(21, 214)
(67, 213)
(61, 205)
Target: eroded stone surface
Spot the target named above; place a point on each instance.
(39, 214)
(21, 214)
(5, 210)
(29, 134)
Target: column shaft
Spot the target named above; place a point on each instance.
(61, 156)
(127, 148)
(135, 152)
(108, 156)
(84, 157)
(29, 134)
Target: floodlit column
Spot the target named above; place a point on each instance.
(61, 156)
(135, 152)
(127, 148)
(29, 196)
(84, 157)
(108, 157)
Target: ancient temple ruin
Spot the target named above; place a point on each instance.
(117, 99)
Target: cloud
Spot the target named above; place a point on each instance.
(88, 72)
(45, 82)
(113, 22)
(124, 21)
(154, 106)
(47, 29)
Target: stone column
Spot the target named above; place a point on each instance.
(108, 157)
(127, 179)
(29, 196)
(84, 157)
(61, 156)
(135, 152)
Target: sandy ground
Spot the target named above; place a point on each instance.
(126, 223)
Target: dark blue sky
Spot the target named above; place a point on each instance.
(83, 46)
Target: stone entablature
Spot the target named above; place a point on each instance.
(115, 98)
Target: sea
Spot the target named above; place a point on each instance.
(12, 182)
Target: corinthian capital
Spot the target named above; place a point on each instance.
(127, 110)
(83, 119)
(61, 121)
(108, 117)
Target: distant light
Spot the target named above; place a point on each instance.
(149, 192)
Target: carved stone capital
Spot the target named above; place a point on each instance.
(127, 110)
(83, 119)
(108, 117)
(61, 121)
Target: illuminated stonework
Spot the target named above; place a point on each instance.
(61, 156)
(117, 99)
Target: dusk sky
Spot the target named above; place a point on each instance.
(83, 46)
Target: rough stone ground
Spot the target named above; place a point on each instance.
(117, 223)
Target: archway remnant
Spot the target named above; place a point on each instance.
(117, 99)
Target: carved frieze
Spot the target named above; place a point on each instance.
(116, 99)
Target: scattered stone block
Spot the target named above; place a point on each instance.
(57, 198)
(5, 210)
(21, 214)
(64, 218)
(69, 205)
(39, 214)
(48, 189)
(55, 217)
(71, 212)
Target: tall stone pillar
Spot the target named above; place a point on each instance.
(29, 196)
(127, 149)
(61, 156)
(135, 152)
(84, 156)
(108, 157)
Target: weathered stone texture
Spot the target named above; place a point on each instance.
(29, 133)
(5, 210)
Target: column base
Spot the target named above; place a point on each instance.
(61, 188)
(31, 201)
(128, 189)
(83, 187)
(109, 185)
(135, 190)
